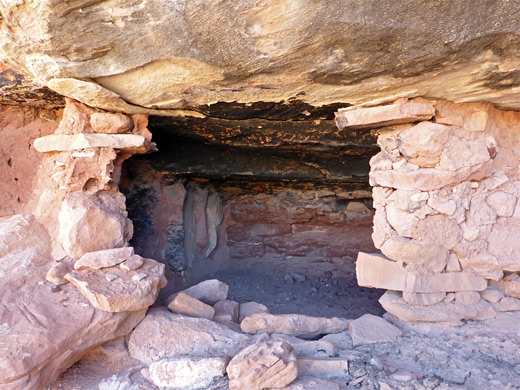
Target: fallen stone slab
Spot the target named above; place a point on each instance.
(370, 329)
(165, 334)
(42, 333)
(392, 114)
(226, 311)
(250, 308)
(323, 367)
(298, 325)
(131, 143)
(184, 304)
(116, 290)
(187, 373)
(104, 258)
(263, 366)
(209, 291)
(449, 312)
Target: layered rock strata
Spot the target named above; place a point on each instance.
(445, 193)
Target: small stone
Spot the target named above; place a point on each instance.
(298, 277)
(104, 258)
(491, 294)
(453, 264)
(509, 304)
(209, 291)
(110, 277)
(185, 373)
(323, 367)
(370, 329)
(132, 263)
(226, 311)
(357, 208)
(508, 287)
(250, 308)
(56, 274)
(293, 324)
(184, 304)
(467, 297)
(288, 278)
(263, 366)
(403, 376)
(314, 290)
(139, 276)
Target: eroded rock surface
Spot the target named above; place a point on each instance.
(44, 331)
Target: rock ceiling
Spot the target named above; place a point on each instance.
(176, 57)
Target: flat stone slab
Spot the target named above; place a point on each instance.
(293, 324)
(67, 143)
(370, 329)
(116, 290)
(375, 270)
(184, 304)
(104, 258)
(392, 114)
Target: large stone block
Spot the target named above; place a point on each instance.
(391, 114)
(89, 223)
(433, 257)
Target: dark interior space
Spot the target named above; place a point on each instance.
(274, 200)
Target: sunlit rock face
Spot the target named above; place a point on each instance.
(135, 55)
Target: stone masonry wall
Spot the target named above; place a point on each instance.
(447, 218)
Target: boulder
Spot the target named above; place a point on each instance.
(164, 334)
(184, 304)
(44, 332)
(298, 325)
(263, 366)
(209, 291)
(370, 329)
(188, 373)
(89, 223)
(250, 308)
(116, 290)
(104, 258)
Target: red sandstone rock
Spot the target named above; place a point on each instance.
(184, 304)
(164, 334)
(263, 366)
(43, 333)
(293, 324)
(104, 258)
(92, 223)
(380, 116)
(115, 290)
